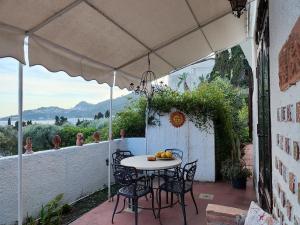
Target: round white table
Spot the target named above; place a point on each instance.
(141, 163)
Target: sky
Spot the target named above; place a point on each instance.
(44, 88)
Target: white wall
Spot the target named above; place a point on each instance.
(195, 143)
(283, 15)
(74, 171)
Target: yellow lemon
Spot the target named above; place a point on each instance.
(158, 154)
(169, 154)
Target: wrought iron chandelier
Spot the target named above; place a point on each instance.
(148, 85)
(238, 7)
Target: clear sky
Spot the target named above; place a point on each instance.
(44, 88)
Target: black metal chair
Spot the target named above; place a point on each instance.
(177, 153)
(181, 186)
(172, 174)
(127, 177)
(119, 155)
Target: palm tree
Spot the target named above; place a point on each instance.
(182, 79)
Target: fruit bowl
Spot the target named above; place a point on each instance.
(159, 158)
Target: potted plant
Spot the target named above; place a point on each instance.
(236, 172)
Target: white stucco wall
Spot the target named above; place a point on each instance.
(283, 15)
(195, 143)
(74, 171)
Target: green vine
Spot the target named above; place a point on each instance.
(216, 101)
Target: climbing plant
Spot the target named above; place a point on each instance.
(217, 102)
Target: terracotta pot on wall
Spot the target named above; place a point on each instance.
(122, 133)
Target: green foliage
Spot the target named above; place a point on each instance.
(60, 120)
(235, 170)
(8, 141)
(106, 114)
(99, 115)
(132, 119)
(68, 134)
(244, 131)
(217, 101)
(232, 65)
(51, 213)
(41, 134)
(182, 80)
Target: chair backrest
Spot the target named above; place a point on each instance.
(119, 155)
(177, 153)
(189, 171)
(124, 175)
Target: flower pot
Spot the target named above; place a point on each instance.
(239, 183)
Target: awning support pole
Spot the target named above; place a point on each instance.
(20, 145)
(146, 126)
(110, 136)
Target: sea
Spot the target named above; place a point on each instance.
(70, 120)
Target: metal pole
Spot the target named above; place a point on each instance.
(110, 136)
(146, 126)
(20, 146)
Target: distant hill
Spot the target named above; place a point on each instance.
(81, 110)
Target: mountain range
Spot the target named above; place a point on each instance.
(81, 110)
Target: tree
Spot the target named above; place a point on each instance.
(232, 65)
(60, 120)
(78, 122)
(8, 141)
(182, 80)
(107, 114)
(98, 116)
(9, 121)
(29, 122)
(56, 120)
(17, 124)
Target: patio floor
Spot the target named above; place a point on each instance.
(205, 193)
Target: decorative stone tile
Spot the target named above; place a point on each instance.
(289, 209)
(278, 139)
(298, 112)
(281, 142)
(280, 167)
(289, 59)
(283, 198)
(284, 173)
(296, 150)
(289, 112)
(292, 182)
(283, 113)
(278, 114)
(299, 193)
(276, 162)
(287, 144)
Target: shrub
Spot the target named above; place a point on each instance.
(68, 134)
(41, 134)
(132, 119)
(8, 141)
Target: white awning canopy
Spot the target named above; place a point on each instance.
(92, 38)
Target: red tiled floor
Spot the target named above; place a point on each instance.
(223, 194)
